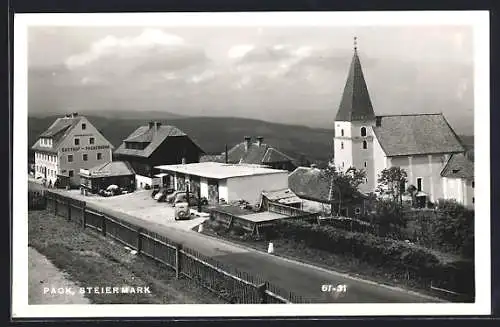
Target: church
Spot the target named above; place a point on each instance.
(424, 145)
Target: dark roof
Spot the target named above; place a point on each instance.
(285, 196)
(314, 184)
(355, 103)
(153, 135)
(459, 166)
(112, 168)
(256, 154)
(212, 158)
(416, 134)
(58, 131)
(310, 183)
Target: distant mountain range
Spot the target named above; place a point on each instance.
(213, 133)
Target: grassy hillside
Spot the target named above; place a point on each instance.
(213, 133)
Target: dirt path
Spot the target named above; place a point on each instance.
(42, 274)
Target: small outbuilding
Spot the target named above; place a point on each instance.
(117, 173)
(285, 197)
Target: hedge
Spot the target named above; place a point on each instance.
(397, 256)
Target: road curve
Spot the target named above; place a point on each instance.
(302, 279)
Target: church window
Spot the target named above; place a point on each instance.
(341, 132)
(365, 145)
(342, 145)
(473, 184)
(365, 163)
(363, 131)
(342, 164)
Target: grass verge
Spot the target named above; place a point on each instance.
(92, 260)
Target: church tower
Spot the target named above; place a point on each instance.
(353, 141)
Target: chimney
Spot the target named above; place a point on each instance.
(225, 155)
(158, 124)
(183, 161)
(151, 124)
(378, 121)
(260, 140)
(314, 166)
(248, 139)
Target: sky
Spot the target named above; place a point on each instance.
(285, 74)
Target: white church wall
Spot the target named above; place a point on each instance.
(426, 167)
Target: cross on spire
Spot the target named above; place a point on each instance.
(355, 43)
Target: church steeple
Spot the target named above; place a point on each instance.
(355, 103)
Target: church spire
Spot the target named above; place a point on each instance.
(355, 103)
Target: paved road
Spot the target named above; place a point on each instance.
(304, 280)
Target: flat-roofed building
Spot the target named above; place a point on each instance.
(226, 182)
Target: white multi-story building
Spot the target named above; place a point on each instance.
(68, 145)
(421, 144)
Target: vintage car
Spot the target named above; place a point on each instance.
(182, 211)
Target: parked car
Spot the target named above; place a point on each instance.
(171, 197)
(161, 194)
(193, 199)
(182, 211)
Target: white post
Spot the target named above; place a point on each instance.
(200, 228)
(270, 248)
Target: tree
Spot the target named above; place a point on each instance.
(391, 182)
(412, 190)
(343, 184)
(388, 216)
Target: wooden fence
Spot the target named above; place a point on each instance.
(228, 283)
(36, 200)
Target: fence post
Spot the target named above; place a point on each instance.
(139, 240)
(178, 248)
(261, 289)
(103, 226)
(55, 206)
(69, 209)
(84, 218)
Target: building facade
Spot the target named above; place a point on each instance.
(219, 182)
(68, 145)
(458, 180)
(153, 145)
(421, 144)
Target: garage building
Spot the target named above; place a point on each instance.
(118, 173)
(226, 182)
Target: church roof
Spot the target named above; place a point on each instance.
(403, 135)
(355, 103)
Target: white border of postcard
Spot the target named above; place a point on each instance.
(479, 20)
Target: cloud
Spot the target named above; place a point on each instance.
(116, 60)
(239, 51)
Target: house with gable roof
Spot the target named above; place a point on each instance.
(254, 153)
(71, 143)
(424, 145)
(154, 145)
